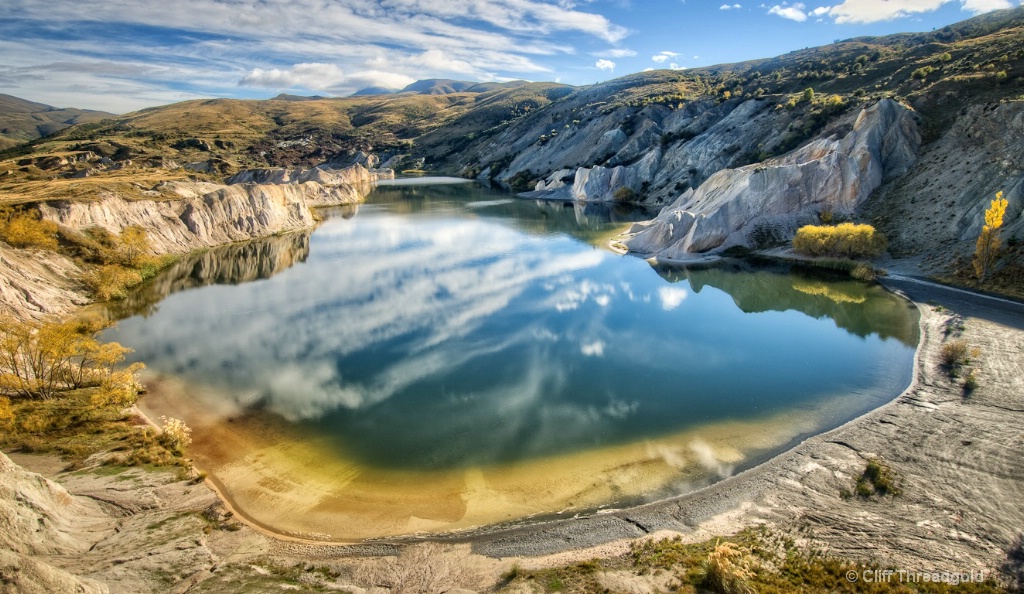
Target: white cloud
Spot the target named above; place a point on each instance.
(380, 78)
(793, 13)
(593, 349)
(671, 297)
(606, 65)
(730, 6)
(614, 53)
(663, 56)
(980, 6)
(310, 76)
(871, 11)
(820, 11)
(262, 44)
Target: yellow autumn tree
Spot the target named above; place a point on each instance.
(6, 414)
(38, 359)
(986, 250)
(134, 245)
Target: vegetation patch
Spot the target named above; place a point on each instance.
(755, 560)
(63, 392)
(847, 240)
(877, 479)
(957, 354)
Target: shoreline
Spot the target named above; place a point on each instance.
(731, 495)
(490, 532)
(959, 509)
(961, 514)
(799, 490)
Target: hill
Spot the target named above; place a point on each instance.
(374, 91)
(22, 120)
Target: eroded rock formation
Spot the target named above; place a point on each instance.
(835, 174)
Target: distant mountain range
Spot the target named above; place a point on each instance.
(441, 86)
(22, 120)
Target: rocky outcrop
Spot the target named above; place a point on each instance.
(40, 518)
(666, 147)
(206, 215)
(836, 174)
(598, 184)
(35, 283)
(354, 175)
(21, 574)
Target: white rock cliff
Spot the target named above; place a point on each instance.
(835, 174)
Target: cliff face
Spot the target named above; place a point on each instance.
(202, 215)
(836, 173)
(36, 283)
(205, 216)
(667, 151)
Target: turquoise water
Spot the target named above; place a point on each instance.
(448, 326)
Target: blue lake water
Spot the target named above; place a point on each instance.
(448, 327)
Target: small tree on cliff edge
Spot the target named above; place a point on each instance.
(986, 250)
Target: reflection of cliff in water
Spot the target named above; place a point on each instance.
(595, 214)
(583, 221)
(856, 307)
(227, 265)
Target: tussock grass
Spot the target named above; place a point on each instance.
(755, 560)
(74, 428)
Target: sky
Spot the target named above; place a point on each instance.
(124, 55)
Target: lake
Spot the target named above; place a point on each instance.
(445, 356)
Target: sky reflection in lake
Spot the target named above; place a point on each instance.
(448, 327)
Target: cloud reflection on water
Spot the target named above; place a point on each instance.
(437, 338)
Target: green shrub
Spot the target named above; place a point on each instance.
(848, 240)
(877, 479)
(922, 73)
(624, 194)
(970, 382)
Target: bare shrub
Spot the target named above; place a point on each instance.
(727, 570)
(176, 434)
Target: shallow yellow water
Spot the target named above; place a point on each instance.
(300, 487)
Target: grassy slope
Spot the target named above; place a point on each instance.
(22, 120)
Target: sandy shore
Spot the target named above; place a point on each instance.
(291, 486)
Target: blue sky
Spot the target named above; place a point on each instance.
(122, 55)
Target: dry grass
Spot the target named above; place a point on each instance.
(755, 560)
(75, 428)
(421, 569)
(130, 184)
